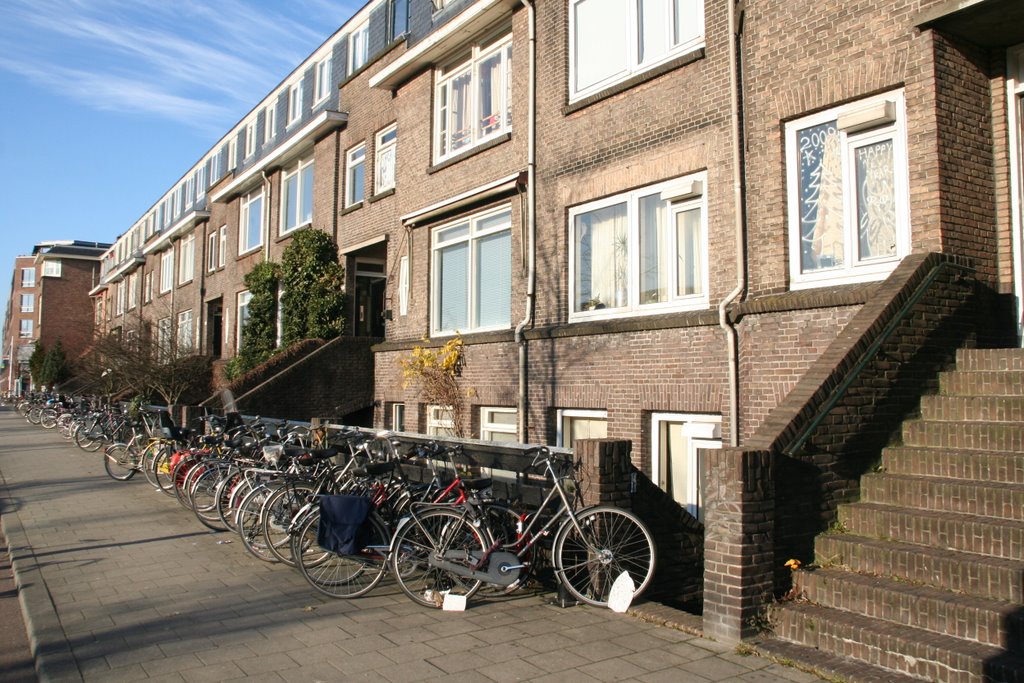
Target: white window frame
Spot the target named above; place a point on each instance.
(625, 32)
(211, 251)
(488, 427)
(323, 79)
(694, 199)
(398, 417)
(852, 135)
(473, 234)
(185, 332)
(232, 152)
(385, 158)
(355, 160)
(295, 213)
(166, 271)
(164, 337)
(294, 103)
(403, 286)
(241, 304)
(222, 249)
(119, 298)
(133, 291)
(444, 78)
(358, 47)
(52, 268)
(244, 217)
(250, 138)
(187, 259)
(703, 431)
(147, 288)
(29, 281)
(570, 413)
(29, 307)
(269, 123)
(438, 423)
(25, 330)
(201, 181)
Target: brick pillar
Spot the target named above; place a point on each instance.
(739, 516)
(605, 478)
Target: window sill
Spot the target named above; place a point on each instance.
(472, 151)
(381, 195)
(633, 81)
(351, 209)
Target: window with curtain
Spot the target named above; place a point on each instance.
(473, 98)
(297, 197)
(472, 274)
(498, 424)
(185, 333)
(250, 224)
(187, 259)
(612, 40)
(639, 252)
(243, 315)
(384, 164)
(163, 340)
(848, 197)
(355, 175)
(574, 425)
(166, 271)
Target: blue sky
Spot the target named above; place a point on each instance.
(106, 103)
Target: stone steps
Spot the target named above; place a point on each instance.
(954, 464)
(940, 408)
(984, 498)
(999, 437)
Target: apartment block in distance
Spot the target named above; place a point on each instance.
(744, 237)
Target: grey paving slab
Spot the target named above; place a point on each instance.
(119, 583)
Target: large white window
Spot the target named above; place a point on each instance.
(676, 440)
(211, 252)
(28, 303)
(384, 163)
(847, 189)
(133, 291)
(52, 268)
(250, 223)
(187, 259)
(574, 425)
(355, 175)
(440, 421)
(358, 47)
(163, 340)
(250, 138)
(222, 248)
(473, 102)
(28, 277)
(186, 334)
(269, 123)
(166, 271)
(25, 328)
(640, 252)
(611, 40)
(471, 288)
(297, 197)
(498, 424)
(323, 80)
(243, 315)
(294, 103)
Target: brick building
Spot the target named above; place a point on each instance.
(49, 301)
(646, 220)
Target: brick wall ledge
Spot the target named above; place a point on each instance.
(807, 299)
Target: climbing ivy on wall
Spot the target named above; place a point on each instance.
(313, 299)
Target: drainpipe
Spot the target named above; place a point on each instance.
(737, 188)
(531, 223)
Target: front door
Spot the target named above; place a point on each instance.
(369, 298)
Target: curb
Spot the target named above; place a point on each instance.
(53, 657)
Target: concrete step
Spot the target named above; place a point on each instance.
(954, 464)
(982, 383)
(972, 436)
(966, 533)
(990, 359)
(986, 498)
(972, 408)
(902, 649)
(994, 578)
(989, 622)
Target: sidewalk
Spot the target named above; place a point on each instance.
(119, 583)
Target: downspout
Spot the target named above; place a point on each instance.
(737, 188)
(531, 225)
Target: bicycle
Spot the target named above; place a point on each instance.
(439, 552)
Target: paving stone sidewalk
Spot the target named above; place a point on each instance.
(119, 583)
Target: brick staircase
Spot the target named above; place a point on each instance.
(923, 579)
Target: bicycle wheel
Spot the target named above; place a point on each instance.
(430, 554)
(607, 541)
(147, 460)
(248, 523)
(92, 439)
(505, 526)
(182, 475)
(34, 414)
(48, 418)
(203, 494)
(120, 461)
(278, 512)
(233, 492)
(341, 576)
